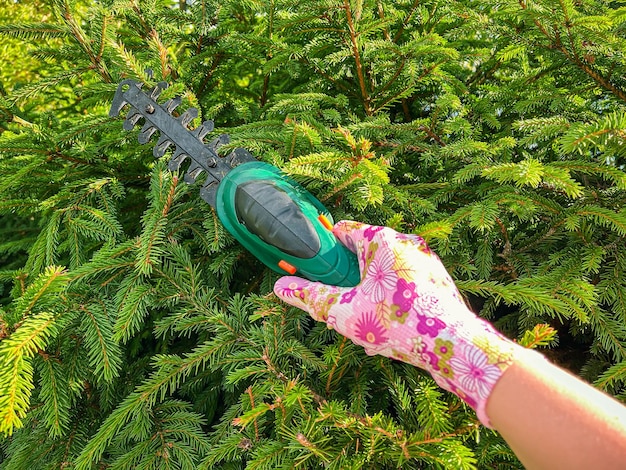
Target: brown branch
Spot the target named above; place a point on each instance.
(394, 78)
(507, 243)
(357, 57)
(268, 56)
(535, 20)
(432, 135)
(85, 44)
(573, 57)
(381, 14)
(406, 110)
(334, 368)
(408, 17)
(427, 26)
(205, 81)
(102, 37)
(170, 196)
(602, 81)
(256, 425)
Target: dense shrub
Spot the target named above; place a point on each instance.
(136, 333)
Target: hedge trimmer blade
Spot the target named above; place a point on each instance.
(188, 144)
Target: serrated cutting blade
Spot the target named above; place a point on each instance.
(175, 134)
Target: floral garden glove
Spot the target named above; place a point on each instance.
(407, 308)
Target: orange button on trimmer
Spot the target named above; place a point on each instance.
(285, 266)
(325, 222)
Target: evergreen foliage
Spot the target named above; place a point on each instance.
(136, 333)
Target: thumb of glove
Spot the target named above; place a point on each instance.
(315, 298)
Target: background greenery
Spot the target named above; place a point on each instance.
(137, 334)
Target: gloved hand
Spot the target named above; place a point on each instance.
(407, 307)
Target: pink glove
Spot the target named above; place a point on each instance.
(408, 308)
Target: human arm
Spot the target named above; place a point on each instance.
(408, 308)
(553, 420)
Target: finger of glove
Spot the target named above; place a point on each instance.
(315, 298)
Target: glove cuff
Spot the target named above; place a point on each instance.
(479, 357)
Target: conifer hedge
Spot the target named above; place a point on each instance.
(137, 334)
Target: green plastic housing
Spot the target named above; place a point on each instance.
(270, 230)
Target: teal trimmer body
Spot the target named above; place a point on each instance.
(270, 214)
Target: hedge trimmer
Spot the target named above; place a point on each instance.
(275, 218)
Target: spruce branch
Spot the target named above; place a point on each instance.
(105, 355)
(540, 335)
(613, 376)
(407, 18)
(33, 31)
(16, 371)
(360, 73)
(42, 294)
(151, 241)
(572, 55)
(81, 37)
(169, 373)
(54, 394)
(336, 360)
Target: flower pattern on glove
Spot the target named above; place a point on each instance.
(380, 277)
(473, 372)
(407, 308)
(369, 330)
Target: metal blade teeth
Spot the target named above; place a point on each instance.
(192, 173)
(239, 156)
(176, 161)
(171, 105)
(209, 189)
(131, 119)
(210, 179)
(119, 100)
(223, 139)
(161, 147)
(158, 89)
(147, 131)
(188, 116)
(201, 131)
(207, 162)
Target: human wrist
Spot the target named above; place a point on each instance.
(466, 356)
(482, 356)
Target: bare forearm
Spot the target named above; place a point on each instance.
(553, 420)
